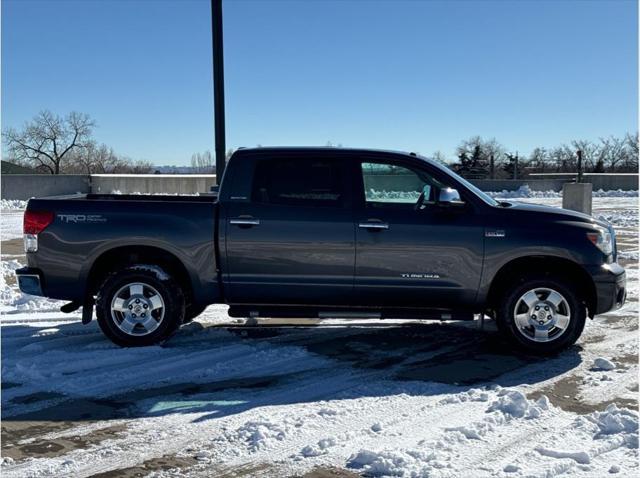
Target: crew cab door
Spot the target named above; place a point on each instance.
(292, 241)
(407, 256)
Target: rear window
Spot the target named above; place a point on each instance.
(298, 182)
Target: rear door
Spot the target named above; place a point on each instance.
(408, 256)
(293, 240)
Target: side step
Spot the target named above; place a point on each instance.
(349, 315)
(302, 312)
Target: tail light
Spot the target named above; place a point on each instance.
(34, 223)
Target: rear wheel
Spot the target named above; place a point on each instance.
(542, 315)
(139, 306)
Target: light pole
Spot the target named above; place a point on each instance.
(218, 87)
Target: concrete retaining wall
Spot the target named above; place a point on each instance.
(514, 184)
(606, 182)
(152, 183)
(25, 186)
(393, 182)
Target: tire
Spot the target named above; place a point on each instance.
(140, 305)
(556, 324)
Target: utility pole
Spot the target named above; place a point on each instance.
(492, 167)
(579, 154)
(515, 167)
(218, 87)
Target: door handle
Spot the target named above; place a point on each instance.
(244, 221)
(374, 226)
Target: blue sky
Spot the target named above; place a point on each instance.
(414, 75)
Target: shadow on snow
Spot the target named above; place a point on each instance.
(354, 362)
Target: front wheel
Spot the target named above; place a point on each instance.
(139, 305)
(542, 316)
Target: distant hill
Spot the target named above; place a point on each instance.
(11, 168)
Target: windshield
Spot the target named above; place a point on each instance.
(474, 189)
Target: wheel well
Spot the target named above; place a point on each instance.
(121, 257)
(552, 266)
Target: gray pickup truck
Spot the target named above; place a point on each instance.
(324, 232)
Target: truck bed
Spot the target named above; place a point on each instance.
(90, 230)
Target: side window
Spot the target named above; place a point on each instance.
(298, 182)
(395, 185)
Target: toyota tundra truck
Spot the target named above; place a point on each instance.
(318, 233)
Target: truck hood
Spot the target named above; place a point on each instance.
(558, 213)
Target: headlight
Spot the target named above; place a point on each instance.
(602, 239)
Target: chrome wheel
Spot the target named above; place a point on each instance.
(137, 309)
(542, 315)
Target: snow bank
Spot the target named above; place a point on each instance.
(395, 463)
(617, 193)
(613, 421)
(397, 196)
(513, 403)
(9, 204)
(261, 434)
(526, 192)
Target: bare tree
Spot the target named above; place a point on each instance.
(48, 141)
(140, 166)
(589, 152)
(611, 152)
(563, 159)
(538, 160)
(631, 152)
(202, 162)
(474, 155)
(486, 148)
(440, 157)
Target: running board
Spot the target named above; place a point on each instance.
(319, 312)
(349, 315)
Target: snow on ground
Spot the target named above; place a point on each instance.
(11, 224)
(372, 398)
(11, 212)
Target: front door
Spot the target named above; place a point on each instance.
(294, 241)
(410, 251)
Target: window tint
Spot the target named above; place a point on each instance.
(298, 182)
(386, 183)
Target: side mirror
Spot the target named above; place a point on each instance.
(449, 197)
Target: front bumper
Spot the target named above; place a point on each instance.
(611, 287)
(30, 281)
